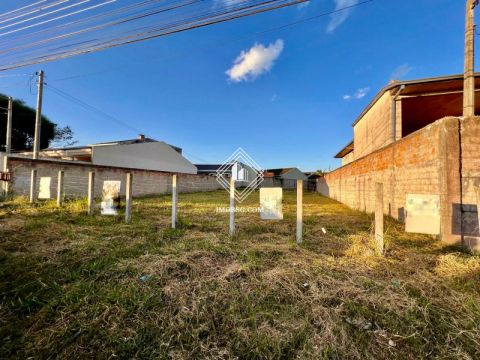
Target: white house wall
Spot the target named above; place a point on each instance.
(148, 156)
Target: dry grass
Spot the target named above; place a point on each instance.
(73, 286)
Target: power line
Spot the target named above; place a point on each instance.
(175, 20)
(125, 20)
(98, 27)
(22, 8)
(229, 40)
(142, 4)
(40, 16)
(38, 9)
(91, 108)
(58, 17)
(118, 11)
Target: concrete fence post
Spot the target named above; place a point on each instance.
(6, 184)
(379, 242)
(60, 188)
(232, 206)
(299, 211)
(128, 197)
(6, 187)
(33, 186)
(91, 193)
(477, 193)
(174, 201)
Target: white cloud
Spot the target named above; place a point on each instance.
(401, 71)
(254, 62)
(339, 18)
(359, 94)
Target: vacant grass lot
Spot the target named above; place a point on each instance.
(73, 286)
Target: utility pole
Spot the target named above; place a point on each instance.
(38, 118)
(8, 137)
(469, 75)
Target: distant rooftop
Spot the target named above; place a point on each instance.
(279, 171)
(140, 139)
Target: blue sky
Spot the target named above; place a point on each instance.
(289, 102)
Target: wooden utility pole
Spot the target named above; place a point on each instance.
(8, 136)
(469, 74)
(38, 117)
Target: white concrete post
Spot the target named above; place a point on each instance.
(477, 192)
(60, 188)
(91, 193)
(174, 201)
(33, 186)
(232, 206)
(128, 197)
(379, 218)
(6, 184)
(299, 211)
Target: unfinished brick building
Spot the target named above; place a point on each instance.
(412, 138)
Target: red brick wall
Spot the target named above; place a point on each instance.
(428, 161)
(76, 178)
(408, 166)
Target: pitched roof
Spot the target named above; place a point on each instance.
(117, 142)
(290, 173)
(124, 142)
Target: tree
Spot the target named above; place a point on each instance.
(23, 128)
(63, 136)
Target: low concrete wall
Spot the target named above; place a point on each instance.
(442, 159)
(145, 182)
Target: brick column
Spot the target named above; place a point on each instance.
(449, 180)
